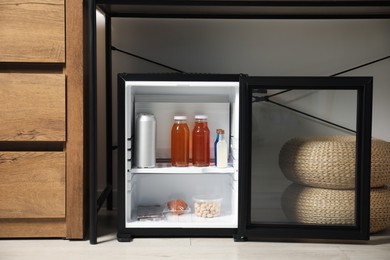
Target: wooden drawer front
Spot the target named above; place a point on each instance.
(32, 107)
(32, 185)
(36, 227)
(32, 31)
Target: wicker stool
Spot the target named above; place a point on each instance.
(329, 161)
(307, 205)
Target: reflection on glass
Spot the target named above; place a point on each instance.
(303, 164)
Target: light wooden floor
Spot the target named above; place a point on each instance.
(189, 248)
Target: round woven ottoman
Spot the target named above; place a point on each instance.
(308, 205)
(329, 161)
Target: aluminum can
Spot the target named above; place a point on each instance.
(145, 140)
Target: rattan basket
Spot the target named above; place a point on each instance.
(307, 205)
(329, 161)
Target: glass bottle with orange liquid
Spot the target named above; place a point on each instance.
(180, 142)
(201, 142)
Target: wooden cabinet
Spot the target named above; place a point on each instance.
(32, 185)
(33, 105)
(42, 171)
(32, 31)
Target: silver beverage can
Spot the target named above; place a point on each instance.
(145, 140)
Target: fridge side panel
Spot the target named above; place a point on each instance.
(123, 164)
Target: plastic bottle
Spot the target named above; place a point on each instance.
(180, 142)
(201, 142)
(215, 146)
(222, 151)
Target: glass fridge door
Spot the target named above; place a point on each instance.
(305, 157)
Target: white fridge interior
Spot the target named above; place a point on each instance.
(156, 186)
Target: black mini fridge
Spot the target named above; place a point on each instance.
(298, 167)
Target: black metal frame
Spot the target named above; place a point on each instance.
(95, 201)
(247, 9)
(241, 9)
(363, 85)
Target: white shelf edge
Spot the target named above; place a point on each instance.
(167, 169)
(187, 221)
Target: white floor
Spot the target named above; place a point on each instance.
(189, 248)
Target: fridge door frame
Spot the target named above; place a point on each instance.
(125, 234)
(121, 217)
(266, 231)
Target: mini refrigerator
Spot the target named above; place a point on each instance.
(262, 195)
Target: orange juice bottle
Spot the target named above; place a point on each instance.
(201, 142)
(180, 142)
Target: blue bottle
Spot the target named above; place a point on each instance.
(215, 147)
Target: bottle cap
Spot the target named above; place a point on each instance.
(180, 118)
(200, 117)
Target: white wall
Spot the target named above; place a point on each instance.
(261, 47)
(258, 47)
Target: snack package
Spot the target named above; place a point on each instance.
(150, 212)
(177, 207)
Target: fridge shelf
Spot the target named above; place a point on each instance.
(166, 168)
(187, 221)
